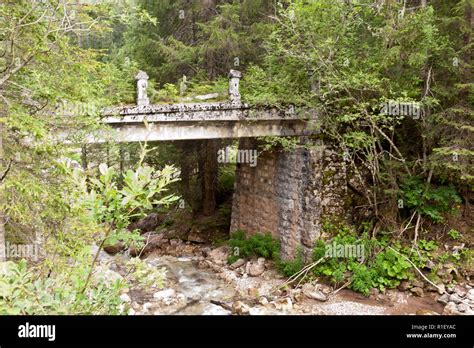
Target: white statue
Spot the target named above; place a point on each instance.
(234, 79)
(142, 84)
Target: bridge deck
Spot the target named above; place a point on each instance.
(186, 121)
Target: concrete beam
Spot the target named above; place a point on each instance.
(165, 131)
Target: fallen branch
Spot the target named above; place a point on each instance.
(406, 227)
(342, 287)
(300, 273)
(223, 305)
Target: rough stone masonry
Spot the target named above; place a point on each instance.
(289, 193)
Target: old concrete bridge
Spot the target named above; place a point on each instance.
(286, 193)
(204, 120)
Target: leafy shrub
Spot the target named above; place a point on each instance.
(21, 292)
(290, 267)
(454, 234)
(258, 244)
(383, 268)
(145, 274)
(142, 189)
(263, 245)
(428, 201)
(226, 178)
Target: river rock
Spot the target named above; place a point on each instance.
(310, 292)
(164, 294)
(212, 309)
(253, 292)
(175, 242)
(439, 288)
(460, 291)
(237, 264)
(430, 264)
(147, 224)
(454, 298)
(257, 268)
(114, 248)
(417, 283)
(444, 299)
(374, 292)
(404, 285)
(462, 307)
(325, 289)
(219, 255)
(147, 306)
(470, 295)
(240, 308)
(450, 308)
(417, 291)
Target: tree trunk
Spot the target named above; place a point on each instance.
(185, 166)
(2, 194)
(84, 157)
(209, 183)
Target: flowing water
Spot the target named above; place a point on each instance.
(198, 285)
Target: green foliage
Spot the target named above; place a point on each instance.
(263, 245)
(25, 292)
(427, 200)
(427, 245)
(290, 267)
(226, 178)
(142, 190)
(454, 234)
(257, 244)
(286, 143)
(380, 267)
(145, 274)
(169, 94)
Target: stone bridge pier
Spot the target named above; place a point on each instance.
(289, 194)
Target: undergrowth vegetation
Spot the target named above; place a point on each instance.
(383, 263)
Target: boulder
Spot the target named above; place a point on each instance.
(114, 248)
(257, 268)
(147, 224)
